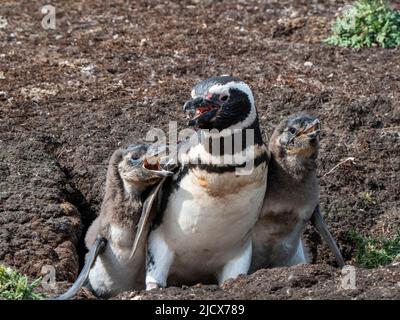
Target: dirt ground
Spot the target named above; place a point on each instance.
(111, 71)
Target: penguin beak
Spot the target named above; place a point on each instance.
(201, 109)
(312, 130)
(162, 173)
(154, 168)
(156, 161)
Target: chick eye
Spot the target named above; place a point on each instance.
(292, 130)
(223, 97)
(135, 157)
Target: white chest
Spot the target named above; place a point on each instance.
(114, 271)
(214, 210)
(121, 241)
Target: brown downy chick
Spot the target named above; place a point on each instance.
(131, 173)
(292, 193)
(116, 239)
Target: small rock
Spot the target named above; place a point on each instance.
(308, 64)
(3, 96)
(88, 70)
(143, 42)
(12, 36)
(2, 76)
(3, 22)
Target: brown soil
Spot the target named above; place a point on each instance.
(111, 71)
(319, 281)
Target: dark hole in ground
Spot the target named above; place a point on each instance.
(87, 213)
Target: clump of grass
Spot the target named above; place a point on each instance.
(369, 198)
(16, 286)
(372, 253)
(367, 23)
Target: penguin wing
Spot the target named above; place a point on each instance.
(146, 217)
(97, 246)
(322, 228)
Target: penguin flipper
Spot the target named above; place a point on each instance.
(145, 218)
(322, 228)
(92, 232)
(94, 251)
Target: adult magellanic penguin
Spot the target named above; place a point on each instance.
(203, 229)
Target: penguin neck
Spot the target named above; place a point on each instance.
(230, 141)
(226, 148)
(134, 190)
(122, 201)
(294, 168)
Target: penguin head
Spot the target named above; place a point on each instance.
(297, 136)
(221, 103)
(141, 165)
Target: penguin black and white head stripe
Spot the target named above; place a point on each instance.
(223, 108)
(222, 103)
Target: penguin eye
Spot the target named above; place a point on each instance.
(135, 156)
(223, 97)
(292, 130)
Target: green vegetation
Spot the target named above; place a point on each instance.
(369, 198)
(16, 286)
(372, 253)
(367, 23)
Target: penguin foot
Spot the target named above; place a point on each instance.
(152, 285)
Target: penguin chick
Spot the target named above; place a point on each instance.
(292, 193)
(129, 178)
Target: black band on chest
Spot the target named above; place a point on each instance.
(236, 142)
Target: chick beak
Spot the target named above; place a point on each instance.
(313, 129)
(152, 165)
